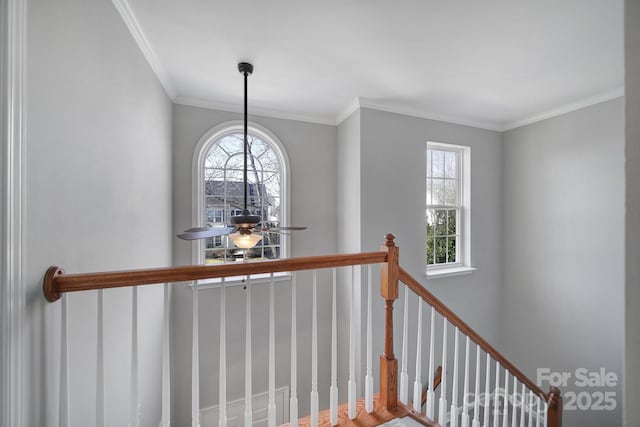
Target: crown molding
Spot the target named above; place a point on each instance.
(424, 114)
(350, 108)
(13, 28)
(360, 102)
(132, 23)
(567, 108)
(266, 112)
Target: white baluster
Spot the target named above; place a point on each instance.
(135, 387)
(333, 391)
(454, 390)
(546, 414)
(248, 359)
(293, 400)
(530, 408)
(166, 361)
(271, 406)
(442, 416)
(487, 392)
(404, 376)
(352, 350)
(476, 397)
(195, 357)
(538, 414)
(100, 363)
(314, 354)
(523, 405)
(514, 407)
(431, 396)
(496, 398)
(505, 416)
(465, 398)
(417, 384)
(368, 381)
(222, 380)
(63, 414)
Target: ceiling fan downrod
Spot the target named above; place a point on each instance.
(246, 69)
(246, 220)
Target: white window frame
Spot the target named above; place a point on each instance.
(463, 178)
(199, 155)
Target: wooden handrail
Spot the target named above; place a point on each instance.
(57, 282)
(453, 318)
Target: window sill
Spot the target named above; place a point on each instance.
(449, 272)
(241, 281)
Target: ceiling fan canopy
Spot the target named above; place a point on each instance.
(242, 229)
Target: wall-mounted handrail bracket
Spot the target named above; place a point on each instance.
(51, 292)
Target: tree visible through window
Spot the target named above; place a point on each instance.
(224, 194)
(444, 205)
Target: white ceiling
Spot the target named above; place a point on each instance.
(490, 63)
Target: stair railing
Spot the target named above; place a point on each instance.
(391, 402)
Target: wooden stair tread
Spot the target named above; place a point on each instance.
(380, 415)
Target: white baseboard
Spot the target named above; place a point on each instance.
(235, 410)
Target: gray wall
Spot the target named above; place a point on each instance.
(564, 249)
(348, 191)
(393, 162)
(393, 200)
(632, 220)
(98, 198)
(349, 182)
(311, 149)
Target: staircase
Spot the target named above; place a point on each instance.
(448, 375)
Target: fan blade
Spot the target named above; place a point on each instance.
(289, 228)
(280, 229)
(273, 231)
(204, 232)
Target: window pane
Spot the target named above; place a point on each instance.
(232, 143)
(438, 192)
(451, 222)
(450, 164)
(272, 209)
(438, 163)
(450, 192)
(233, 175)
(441, 250)
(430, 250)
(429, 191)
(431, 222)
(235, 162)
(429, 156)
(441, 222)
(257, 147)
(451, 249)
(214, 256)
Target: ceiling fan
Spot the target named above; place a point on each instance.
(245, 229)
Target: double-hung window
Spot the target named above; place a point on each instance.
(447, 209)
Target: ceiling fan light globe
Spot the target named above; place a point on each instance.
(245, 240)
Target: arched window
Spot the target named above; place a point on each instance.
(220, 191)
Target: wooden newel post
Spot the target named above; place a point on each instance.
(554, 411)
(390, 273)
